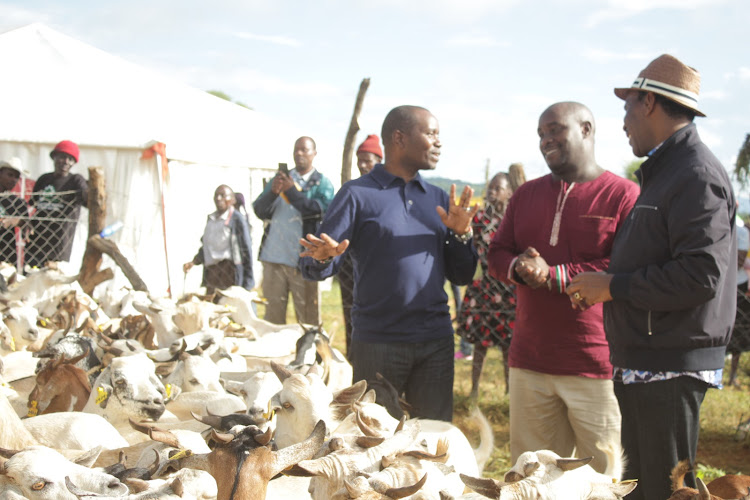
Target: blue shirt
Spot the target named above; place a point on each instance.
(402, 254)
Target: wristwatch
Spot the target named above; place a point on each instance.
(466, 237)
(326, 261)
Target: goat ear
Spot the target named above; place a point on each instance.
(166, 369)
(350, 394)
(484, 486)
(369, 397)
(623, 488)
(568, 464)
(88, 458)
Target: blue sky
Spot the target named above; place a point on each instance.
(485, 68)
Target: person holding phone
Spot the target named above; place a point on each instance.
(291, 205)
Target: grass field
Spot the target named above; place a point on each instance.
(722, 410)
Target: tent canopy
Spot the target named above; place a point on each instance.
(60, 88)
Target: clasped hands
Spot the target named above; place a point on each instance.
(457, 219)
(584, 290)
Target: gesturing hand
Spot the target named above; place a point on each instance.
(322, 248)
(458, 218)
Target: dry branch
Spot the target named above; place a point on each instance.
(351, 135)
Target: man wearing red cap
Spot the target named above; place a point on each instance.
(58, 197)
(670, 291)
(369, 154)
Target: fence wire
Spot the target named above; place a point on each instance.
(33, 234)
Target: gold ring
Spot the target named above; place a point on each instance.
(577, 296)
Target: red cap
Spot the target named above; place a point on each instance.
(68, 147)
(371, 145)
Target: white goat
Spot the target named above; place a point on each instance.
(39, 473)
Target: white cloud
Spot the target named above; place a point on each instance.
(744, 73)
(475, 41)
(275, 39)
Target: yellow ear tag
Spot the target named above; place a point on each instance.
(12, 344)
(269, 414)
(102, 395)
(33, 409)
(181, 454)
(43, 322)
(168, 388)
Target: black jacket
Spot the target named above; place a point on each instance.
(674, 263)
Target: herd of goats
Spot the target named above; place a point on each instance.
(131, 397)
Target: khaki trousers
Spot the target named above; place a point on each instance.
(566, 414)
(278, 281)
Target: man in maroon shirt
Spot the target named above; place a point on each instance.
(557, 226)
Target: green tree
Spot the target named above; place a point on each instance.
(742, 166)
(630, 169)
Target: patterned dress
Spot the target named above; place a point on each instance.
(488, 311)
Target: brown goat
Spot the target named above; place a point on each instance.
(60, 386)
(728, 487)
(244, 464)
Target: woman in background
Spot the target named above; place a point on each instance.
(488, 310)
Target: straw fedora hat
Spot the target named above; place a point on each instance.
(668, 76)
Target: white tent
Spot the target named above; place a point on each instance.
(55, 87)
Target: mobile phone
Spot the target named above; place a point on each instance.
(283, 168)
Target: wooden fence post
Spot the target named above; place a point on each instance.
(351, 135)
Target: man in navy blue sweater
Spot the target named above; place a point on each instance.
(405, 238)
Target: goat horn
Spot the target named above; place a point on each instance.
(369, 442)
(406, 491)
(139, 426)
(281, 371)
(265, 438)
(401, 423)
(212, 420)
(78, 358)
(568, 464)
(163, 436)
(366, 430)
(154, 468)
(530, 468)
(221, 437)
(423, 455)
(702, 490)
(122, 458)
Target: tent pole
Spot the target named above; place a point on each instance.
(163, 177)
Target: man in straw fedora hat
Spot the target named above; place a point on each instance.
(669, 292)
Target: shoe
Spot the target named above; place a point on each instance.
(460, 355)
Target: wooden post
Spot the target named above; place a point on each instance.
(351, 135)
(517, 175)
(90, 276)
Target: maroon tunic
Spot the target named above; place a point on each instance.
(549, 335)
